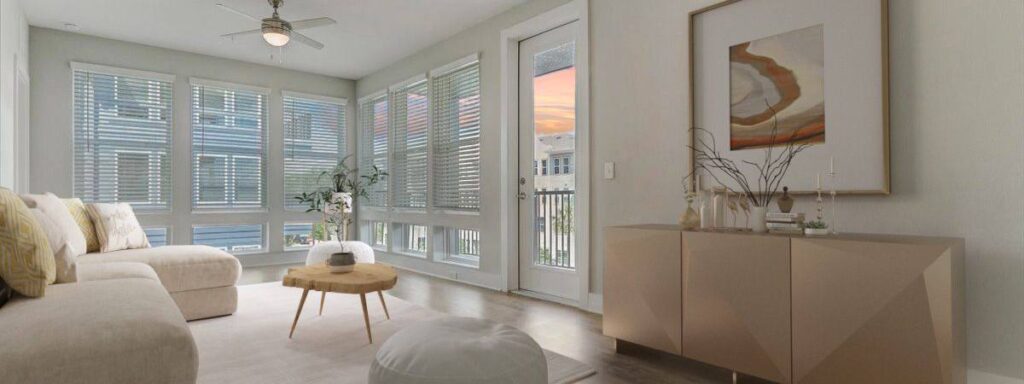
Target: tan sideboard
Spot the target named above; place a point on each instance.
(791, 309)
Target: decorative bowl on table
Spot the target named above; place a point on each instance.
(342, 262)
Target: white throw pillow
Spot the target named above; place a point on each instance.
(54, 208)
(116, 227)
(63, 257)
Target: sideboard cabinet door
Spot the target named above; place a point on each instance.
(877, 311)
(736, 302)
(642, 287)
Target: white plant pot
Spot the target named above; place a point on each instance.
(758, 218)
(816, 231)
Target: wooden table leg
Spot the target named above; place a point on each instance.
(366, 317)
(386, 314)
(299, 312)
(323, 295)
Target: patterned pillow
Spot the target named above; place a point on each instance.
(116, 227)
(81, 216)
(26, 261)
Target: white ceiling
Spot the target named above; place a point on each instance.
(370, 34)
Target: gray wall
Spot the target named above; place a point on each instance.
(956, 134)
(51, 52)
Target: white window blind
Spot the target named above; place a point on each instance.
(122, 137)
(229, 139)
(373, 151)
(456, 141)
(410, 124)
(314, 141)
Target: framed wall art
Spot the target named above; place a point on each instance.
(808, 71)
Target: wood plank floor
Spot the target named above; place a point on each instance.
(560, 328)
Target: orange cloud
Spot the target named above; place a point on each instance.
(554, 102)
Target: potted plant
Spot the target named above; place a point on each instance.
(335, 201)
(816, 228)
(778, 156)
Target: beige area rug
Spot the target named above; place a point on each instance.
(252, 346)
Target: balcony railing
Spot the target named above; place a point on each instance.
(555, 229)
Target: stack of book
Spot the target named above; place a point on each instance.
(778, 222)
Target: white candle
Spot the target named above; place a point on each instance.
(819, 180)
(832, 165)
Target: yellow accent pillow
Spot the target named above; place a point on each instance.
(77, 209)
(26, 261)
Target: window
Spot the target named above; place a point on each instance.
(456, 129)
(157, 236)
(413, 239)
(298, 236)
(373, 126)
(544, 167)
(410, 121)
(229, 141)
(379, 234)
(462, 247)
(314, 141)
(245, 238)
(122, 136)
(562, 163)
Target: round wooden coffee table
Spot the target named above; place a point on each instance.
(366, 278)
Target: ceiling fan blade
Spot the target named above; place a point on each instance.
(312, 23)
(242, 33)
(237, 12)
(306, 40)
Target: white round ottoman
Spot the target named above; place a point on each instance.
(459, 350)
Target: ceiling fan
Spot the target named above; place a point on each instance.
(277, 31)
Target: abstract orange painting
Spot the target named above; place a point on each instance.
(783, 77)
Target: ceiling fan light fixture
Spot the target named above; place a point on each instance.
(277, 37)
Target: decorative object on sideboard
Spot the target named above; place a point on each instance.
(342, 262)
(785, 202)
(798, 55)
(336, 200)
(689, 219)
(832, 185)
(771, 169)
(816, 228)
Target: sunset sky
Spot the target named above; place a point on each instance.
(555, 101)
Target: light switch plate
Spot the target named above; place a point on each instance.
(609, 170)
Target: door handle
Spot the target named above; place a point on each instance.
(522, 195)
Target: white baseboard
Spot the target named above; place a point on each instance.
(979, 377)
(595, 303)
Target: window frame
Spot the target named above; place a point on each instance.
(230, 193)
(342, 134)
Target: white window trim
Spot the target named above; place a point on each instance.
(405, 83)
(309, 96)
(116, 71)
(194, 81)
(455, 65)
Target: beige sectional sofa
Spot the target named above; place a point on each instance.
(122, 322)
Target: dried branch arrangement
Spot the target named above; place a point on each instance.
(778, 156)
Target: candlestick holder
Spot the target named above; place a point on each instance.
(835, 218)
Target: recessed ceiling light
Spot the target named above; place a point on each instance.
(71, 27)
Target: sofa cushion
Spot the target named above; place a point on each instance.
(54, 208)
(116, 226)
(81, 216)
(180, 267)
(63, 255)
(26, 261)
(116, 270)
(110, 331)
